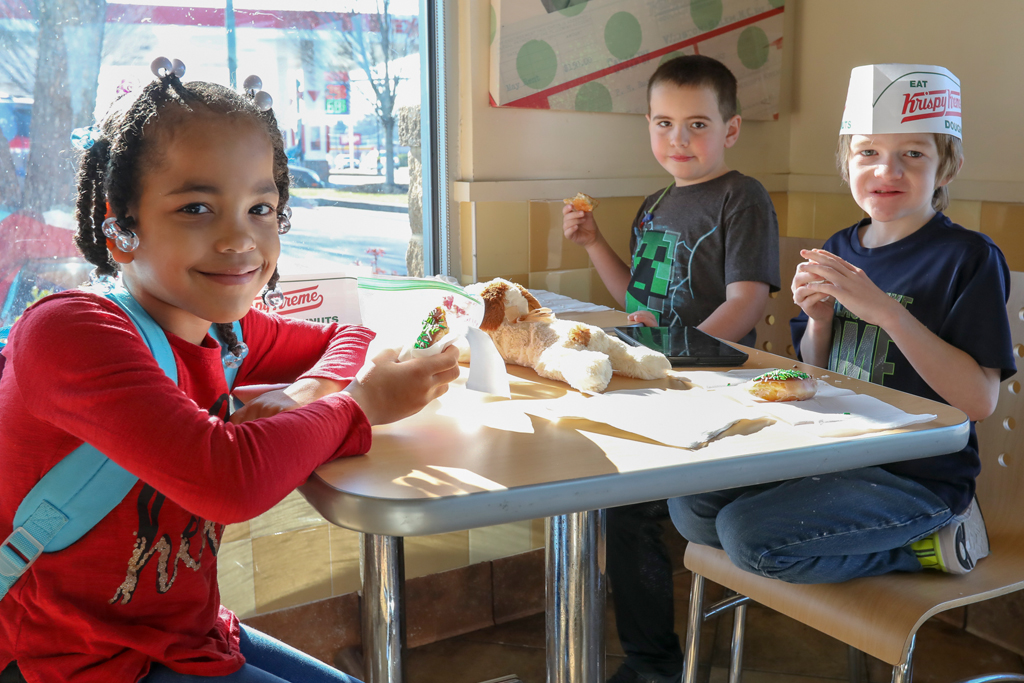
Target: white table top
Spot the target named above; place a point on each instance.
(470, 460)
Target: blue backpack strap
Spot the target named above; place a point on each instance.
(82, 488)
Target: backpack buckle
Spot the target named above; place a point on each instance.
(17, 554)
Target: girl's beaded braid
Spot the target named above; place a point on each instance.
(109, 170)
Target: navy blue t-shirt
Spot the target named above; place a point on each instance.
(956, 283)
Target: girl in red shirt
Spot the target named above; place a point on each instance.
(185, 193)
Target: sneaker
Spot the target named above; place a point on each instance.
(627, 674)
(956, 547)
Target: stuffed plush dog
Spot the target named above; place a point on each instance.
(581, 355)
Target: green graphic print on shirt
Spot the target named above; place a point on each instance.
(659, 280)
(860, 350)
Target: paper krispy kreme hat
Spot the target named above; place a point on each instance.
(902, 98)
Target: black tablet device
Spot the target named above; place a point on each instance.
(683, 345)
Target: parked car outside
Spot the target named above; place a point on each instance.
(374, 161)
(344, 163)
(304, 177)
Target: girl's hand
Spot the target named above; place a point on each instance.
(644, 317)
(849, 285)
(270, 399)
(579, 226)
(388, 391)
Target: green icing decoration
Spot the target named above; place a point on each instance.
(433, 325)
(781, 375)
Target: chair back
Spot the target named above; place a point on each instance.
(773, 328)
(1000, 437)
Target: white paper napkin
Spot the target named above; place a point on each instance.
(685, 419)
(486, 366)
(832, 412)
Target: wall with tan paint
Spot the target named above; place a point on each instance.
(824, 39)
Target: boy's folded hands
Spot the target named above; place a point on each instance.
(579, 226)
(825, 276)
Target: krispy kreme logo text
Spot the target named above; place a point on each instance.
(295, 301)
(930, 104)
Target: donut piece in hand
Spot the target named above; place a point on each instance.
(434, 327)
(783, 385)
(581, 202)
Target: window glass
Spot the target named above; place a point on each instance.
(345, 78)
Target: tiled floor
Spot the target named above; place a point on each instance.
(778, 650)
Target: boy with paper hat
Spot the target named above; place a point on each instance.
(904, 298)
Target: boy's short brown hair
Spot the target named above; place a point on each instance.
(951, 155)
(698, 71)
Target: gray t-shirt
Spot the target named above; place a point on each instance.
(699, 239)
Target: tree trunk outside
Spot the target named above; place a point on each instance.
(10, 191)
(70, 43)
(389, 148)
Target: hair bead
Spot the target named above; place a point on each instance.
(127, 241)
(273, 298)
(110, 228)
(161, 66)
(263, 100)
(253, 83)
(232, 359)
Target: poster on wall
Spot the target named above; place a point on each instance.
(597, 55)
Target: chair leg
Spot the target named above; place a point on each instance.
(856, 665)
(694, 621)
(903, 673)
(739, 622)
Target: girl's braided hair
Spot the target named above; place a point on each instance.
(110, 170)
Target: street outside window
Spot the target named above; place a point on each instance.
(346, 81)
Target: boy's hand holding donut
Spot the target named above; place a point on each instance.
(388, 391)
(827, 275)
(579, 226)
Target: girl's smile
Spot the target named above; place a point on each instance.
(234, 276)
(207, 223)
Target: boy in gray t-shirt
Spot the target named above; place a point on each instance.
(702, 242)
(705, 252)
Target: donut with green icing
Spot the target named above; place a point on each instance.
(783, 385)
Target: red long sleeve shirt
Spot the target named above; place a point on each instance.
(141, 586)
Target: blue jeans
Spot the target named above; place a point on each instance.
(823, 529)
(266, 661)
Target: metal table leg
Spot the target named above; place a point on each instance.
(576, 597)
(383, 608)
